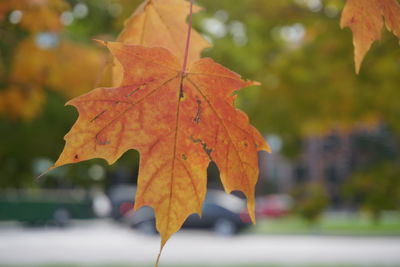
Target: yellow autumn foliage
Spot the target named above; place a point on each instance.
(38, 15)
(21, 101)
(62, 65)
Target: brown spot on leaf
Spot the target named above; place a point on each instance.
(198, 113)
(101, 141)
(204, 146)
(181, 92)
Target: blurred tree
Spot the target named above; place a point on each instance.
(376, 188)
(35, 15)
(304, 61)
(294, 47)
(309, 201)
(374, 184)
(47, 57)
(43, 58)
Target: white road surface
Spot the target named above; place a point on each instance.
(104, 242)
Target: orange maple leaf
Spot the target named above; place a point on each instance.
(179, 121)
(366, 19)
(161, 23)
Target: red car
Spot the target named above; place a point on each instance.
(274, 206)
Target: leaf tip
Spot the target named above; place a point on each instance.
(251, 209)
(101, 42)
(358, 58)
(267, 148)
(357, 67)
(45, 172)
(253, 83)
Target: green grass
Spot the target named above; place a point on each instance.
(331, 225)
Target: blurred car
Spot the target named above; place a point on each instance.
(122, 200)
(49, 206)
(225, 214)
(273, 206)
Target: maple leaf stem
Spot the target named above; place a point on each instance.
(185, 60)
(158, 257)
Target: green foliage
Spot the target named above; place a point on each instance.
(21, 140)
(376, 188)
(310, 200)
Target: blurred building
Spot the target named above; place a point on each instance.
(330, 159)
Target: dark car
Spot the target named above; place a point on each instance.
(225, 214)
